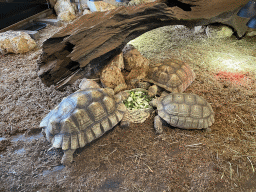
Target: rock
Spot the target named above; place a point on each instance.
(88, 83)
(86, 11)
(152, 91)
(16, 42)
(62, 6)
(100, 6)
(179, 27)
(251, 33)
(138, 73)
(111, 76)
(65, 10)
(127, 48)
(136, 64)
(199, 29)
(133, 59)
(118, 61)
(218, 31)
(66, 16)
(120, 87)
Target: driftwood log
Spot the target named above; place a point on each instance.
(81, 48)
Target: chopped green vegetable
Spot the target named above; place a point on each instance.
(138, 100)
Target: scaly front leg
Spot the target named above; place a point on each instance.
(158, 125)
(67, 157)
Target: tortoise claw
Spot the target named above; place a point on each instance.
(67, 158)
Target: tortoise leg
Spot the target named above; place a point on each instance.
(124, 124)
(67, 157)
(158, 125)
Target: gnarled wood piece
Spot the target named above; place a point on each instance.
(83, 47)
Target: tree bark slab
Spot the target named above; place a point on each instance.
(83, 47)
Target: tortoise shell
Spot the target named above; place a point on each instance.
(173, 75)
(81, 118)
(187, 111)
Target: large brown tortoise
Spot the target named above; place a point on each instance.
(172, 75)
(81, 118)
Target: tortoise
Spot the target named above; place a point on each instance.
(81, 118)
(182, 110)
(172, 75)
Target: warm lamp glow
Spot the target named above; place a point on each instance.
(231, 64)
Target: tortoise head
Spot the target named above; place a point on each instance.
(121, 96)
(154, 102)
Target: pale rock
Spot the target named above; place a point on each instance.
(66, 16)
(180, 27)
(86, 11)
(136, 64)
(16, 42)
(63, 5)
(118, 61)
(88, 83)
(127, 48)
(199, 29)
(84, 4)
(100, 6)
(111, 76)
(133, 59)
(65, 10)
(251, 33)
(218, 31)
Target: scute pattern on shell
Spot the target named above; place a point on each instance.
(186, 111)
(81, 118)
(172, 75)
